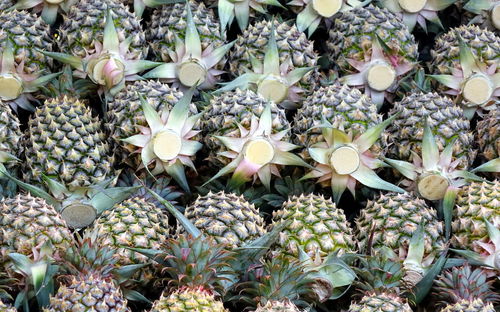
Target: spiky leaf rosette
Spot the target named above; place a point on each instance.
(271, 79)
(85, 23)
(317, 226)
(196, 267)
(393, 218)
(342, 160)
(488, 135)
(485, 13)
(47, 8)
(190, 64)
(226, 217)
(225, 111)
(465, 289)
(134, 223)
(417, 11)
(446, 120)
(373, 49)
(167, 143)
(242, 11)
(465, 65)
(294, 49)
(257, 152)
(169, 23)
(344, 107)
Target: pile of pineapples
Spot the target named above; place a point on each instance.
(250, 155)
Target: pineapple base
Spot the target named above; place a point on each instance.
(78, 215)
(345, 160)
(381, 76)
(478, 89)
(495, 16)
(273, 89)
(259, 152)
(167, 145)
(433, 186)
(191, 73)
(412, 6)
(327, 8)
(10, 87)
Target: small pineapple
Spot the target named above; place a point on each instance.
(317, 226)
(466, 289)
(228, 218)
(488, 135)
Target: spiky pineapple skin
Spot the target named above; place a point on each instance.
(86, 294)
(380, 303)
(278, 306)
(169, 21)
(4, 307)
(476, 305)
(488, 135)
(474, 203)
(355, 30)
(188, 300)
(10, 143)
(65, 142)
(84, 25)
(29, 35)
(133, 223)
(5, 4)
(393, 218)
(28, 221)
(446, 120)
(228, 218)
(317, 226)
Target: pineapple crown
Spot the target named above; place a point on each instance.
(379, 71)
(465, 283)
(417, 11)
(315, 11)
(167, 142)
(229, 9)
(110, 65)
(476, 82)
(257, 153)
(15, 84)
(343, 160)
(49, 8)
(272, 80)
(191, 67)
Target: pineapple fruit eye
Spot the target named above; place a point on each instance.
(259, 152)
(10, 87)
(412, 6)
(433, 186)
(327, 8)
(345, 160)
(381, 76)
(167, 145)
(273, 89)
(192, 73)
(495, 16)
(478, 89)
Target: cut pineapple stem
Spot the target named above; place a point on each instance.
(345, 160)
(54, 1)
(273, 89)
(191, 74)
(381, 76)
(412, 6)
(433, 186)
(327, 8)
(478, 89)
(10, 87)
(259, 152)
(78, 215)
(495, 16)
(100, 71)
(167, 145)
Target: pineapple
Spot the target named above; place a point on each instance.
(488, 135)
(10, 146)
(446, 120)
(392, 219)
(485, 13)
(4, 295)
(317, 226)
(228, 218)
(465, 66)
(48, 8)
(90, 283)
(466, 289)
(23, 66)
(195, 266)
(242, 10)
(373, 49)
(5, 4)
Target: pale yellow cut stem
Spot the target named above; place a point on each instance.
(54, 1)
(273, 90)
(78, 215)
(327, 8)
(191, 74)
(478, 89)
(381, 76)
(412, 6)
(495, 16)
(10, 87)
(433, 187)
(259, 152)
(167, 145)
(345, 160)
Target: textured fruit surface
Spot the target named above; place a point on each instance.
(10, 131)
(278, 306)
(380, 303)
(488, 135)
(476, 305)
(189, 301)
(3, 306)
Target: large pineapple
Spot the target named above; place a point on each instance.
(446, 120)
(393, 218)
(195, 267)
(228, 218)
(317, 226)
(466, 289)
(488, 135)
(364, 61)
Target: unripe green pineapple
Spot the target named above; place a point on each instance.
(195, 300)
(228, 218)
(318, 227)
(488, 135)
(380, 303)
